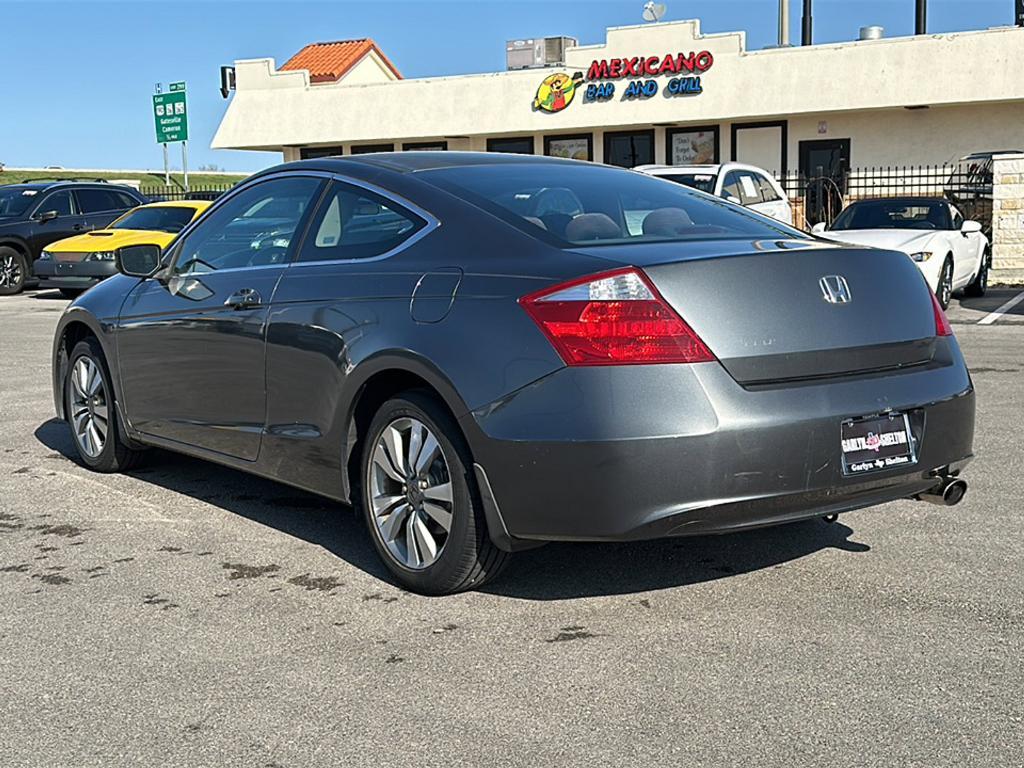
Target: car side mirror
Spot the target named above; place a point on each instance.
(138, 260)
(819, 228)
(970, 227)
(46, 216)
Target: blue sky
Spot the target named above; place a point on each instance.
(76, 77)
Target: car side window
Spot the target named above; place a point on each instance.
(731, 185)
(125, 200)
(768, 192)
(354, 223)
(256, 227)
(59, 202)
(97, 201)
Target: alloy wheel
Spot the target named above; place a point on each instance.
(410, 493)
(946, 285)
(10, 272)
(90, 411)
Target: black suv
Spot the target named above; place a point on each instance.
(35, 214)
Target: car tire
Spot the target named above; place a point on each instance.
(92, 413)
(407, 498)
(13, 271)
(71, 293)
(944, 289)
(979, 285)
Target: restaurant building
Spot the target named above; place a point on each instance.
(655, 93)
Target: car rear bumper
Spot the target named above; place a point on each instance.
(72, 274)
(640, 452)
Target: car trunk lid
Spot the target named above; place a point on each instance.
(764, 311)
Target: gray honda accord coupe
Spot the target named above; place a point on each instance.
(485, 352)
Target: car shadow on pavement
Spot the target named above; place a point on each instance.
(557, 571)
(993, 300)
(46, 294)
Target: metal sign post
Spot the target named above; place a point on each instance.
(167, 162)
(184, 162)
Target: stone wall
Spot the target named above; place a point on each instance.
(1008, 219)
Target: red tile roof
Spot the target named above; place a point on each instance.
(328, 62)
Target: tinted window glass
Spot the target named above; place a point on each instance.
(705, 182)
(254, 228)
(894, 214)
(768, 193)
(159, 219)
(14, 201)
(353, 223)
(125, 200)
(97, 200)
(612, 206)
(59, 202)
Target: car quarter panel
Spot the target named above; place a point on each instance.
(335, 325)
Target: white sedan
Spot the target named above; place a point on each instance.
(951, 253)
(745, 185)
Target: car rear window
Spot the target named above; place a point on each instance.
(156, 219)
(581, 203)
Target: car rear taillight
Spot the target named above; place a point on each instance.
(942, 326)
(614, 318)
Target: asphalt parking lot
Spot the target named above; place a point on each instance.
(190, 615)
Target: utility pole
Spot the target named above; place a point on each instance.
(921, 18)
(1018, 16)
(784, 23)
(807, 38)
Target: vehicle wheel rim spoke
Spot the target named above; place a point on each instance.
(409, 491)
(89, 410)
(439, 515)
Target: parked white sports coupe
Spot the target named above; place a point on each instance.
(952, 253)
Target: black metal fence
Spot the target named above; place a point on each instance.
(821, 198)
(205, 192)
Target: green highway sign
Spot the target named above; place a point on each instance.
(170, 115)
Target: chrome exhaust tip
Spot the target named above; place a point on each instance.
(947, 493)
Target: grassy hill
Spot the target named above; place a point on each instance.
(147, 180)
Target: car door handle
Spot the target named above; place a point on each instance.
(244, 298)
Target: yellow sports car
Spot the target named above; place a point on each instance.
(74, 264)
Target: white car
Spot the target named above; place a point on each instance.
(951, 253)
(745, 185)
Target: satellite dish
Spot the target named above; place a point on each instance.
(653, 11)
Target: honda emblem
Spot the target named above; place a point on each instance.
(835, 290)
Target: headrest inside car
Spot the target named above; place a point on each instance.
(592, 226)
(666, 222)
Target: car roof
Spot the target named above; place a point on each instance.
(40, 185)
(413, 161)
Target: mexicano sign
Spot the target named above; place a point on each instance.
(557, 91)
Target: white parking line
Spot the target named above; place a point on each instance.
(991, 317)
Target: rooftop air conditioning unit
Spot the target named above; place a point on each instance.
(537, 52)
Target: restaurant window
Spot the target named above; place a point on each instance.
(520, 145)
(425, 146)
(363, 149)
(572, 147)
(628, 149)
(308, 153)
(692, 146)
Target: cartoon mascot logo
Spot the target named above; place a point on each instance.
(556, 92)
